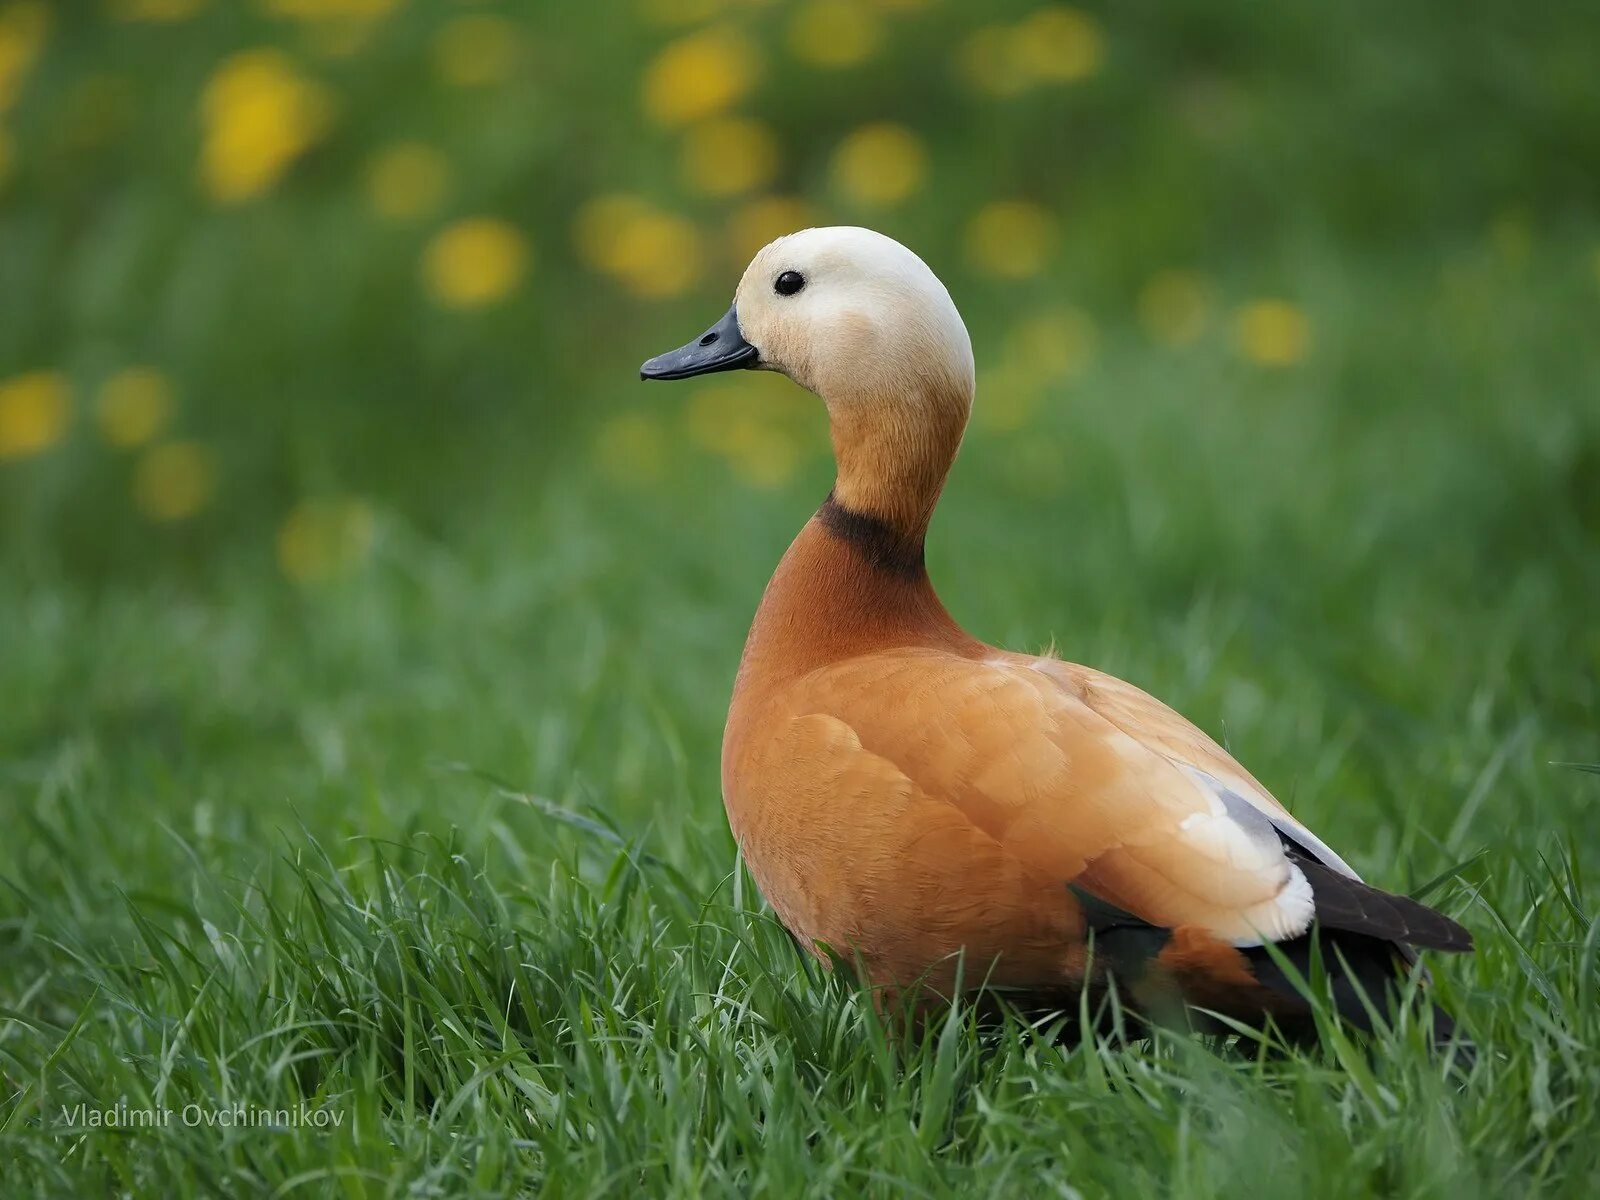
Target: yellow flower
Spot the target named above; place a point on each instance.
(652, 253)
(763, 456)
(259, 116)
(755, 224)
(1059, 45)
(834, 33)
(699, 76)
(661, 253)
(1007, 397)
(323, 538)
(879, 164)
(760, 452)
(632, 448)
(22, 32)
(133, 406)
(1512, 238)
(1053, 45)
(712, 410)
(1174, 307)
(986, 58)
(1044, 347)
(157, 10)
(475, 262)
(728, 155)
(407, 180)
(1272, 333)
(174, 481)
(476, 50)
(1011, 238)
(34, 411)
(760, 436)
(1053, 343)
(599, 226)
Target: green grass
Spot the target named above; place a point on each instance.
(244, 864)
(253, 849)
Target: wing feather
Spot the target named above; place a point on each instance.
(1072, 795)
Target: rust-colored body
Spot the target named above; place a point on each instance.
(911, 798)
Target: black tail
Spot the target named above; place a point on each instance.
(1366, 976)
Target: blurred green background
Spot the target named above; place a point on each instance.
(324, 461)
(273, 268)
(323, 456)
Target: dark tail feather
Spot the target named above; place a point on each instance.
(1364, 974)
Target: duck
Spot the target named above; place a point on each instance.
(954, 819)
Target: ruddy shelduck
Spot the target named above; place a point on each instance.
(946, 814)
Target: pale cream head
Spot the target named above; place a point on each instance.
(869, 323)
(860, 320)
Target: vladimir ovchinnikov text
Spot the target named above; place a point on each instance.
(200, 1116)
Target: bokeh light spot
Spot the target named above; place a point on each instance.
(174, 481)
(1059, 45)
(834, 33)
(632, 449)
(1055, 45)
(699, 76)
(760, 436)
(1053, 343)
(259, 115)
(406, 181)
(476, 50)
(661, 255)
(23, 27)
(1512, 238)
(323, 538)
(133, 406)
(765, 220)
(879, 164)
(1007, 397)
(650, 252)
(1011, 238)
(725, 156)
(987, 62)
(35, 409)
(1272, 333)
(475, 262)
(1175, 307)
(599, 227)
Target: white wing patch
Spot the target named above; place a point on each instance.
(1236, 832)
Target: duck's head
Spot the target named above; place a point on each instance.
(861, 321)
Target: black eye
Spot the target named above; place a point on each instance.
(789, 283)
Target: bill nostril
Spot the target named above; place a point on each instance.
(708, 339)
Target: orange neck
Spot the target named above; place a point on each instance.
(854, 579)
(893, 456)
(847, 586)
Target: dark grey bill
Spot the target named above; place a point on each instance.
(720, 348)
